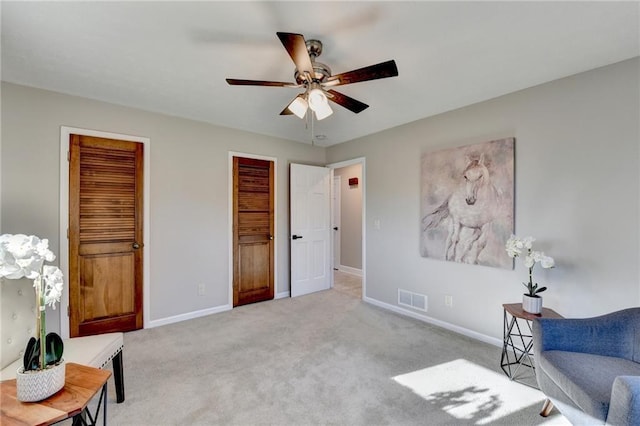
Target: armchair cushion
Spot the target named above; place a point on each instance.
(625, 401)
(586, 379)
(616, 334)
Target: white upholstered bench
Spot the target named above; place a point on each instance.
(17, 313)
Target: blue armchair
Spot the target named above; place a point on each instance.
(590, 368)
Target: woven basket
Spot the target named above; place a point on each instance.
(41, 384)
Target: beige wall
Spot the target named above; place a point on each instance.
(576, 190)
(350, 216)
(189, 188)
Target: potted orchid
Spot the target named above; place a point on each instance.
(23, 256)
(516, 247)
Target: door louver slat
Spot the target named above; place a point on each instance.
(108, 195)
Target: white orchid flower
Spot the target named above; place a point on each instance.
(529, 261)
(52, 276)
(42, 248)
(24, 256)
(528, 242)
(30, 267)
(547, 262)
(516, 246)
(512, 247)
(8, 266)
(20, 256)
(536, 255)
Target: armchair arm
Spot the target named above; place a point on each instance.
(608, 335)
(624, 409)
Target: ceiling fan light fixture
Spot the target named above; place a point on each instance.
(317, 98)
(323, 111)
(299, 106)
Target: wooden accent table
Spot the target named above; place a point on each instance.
(517, 343)
(81, 385)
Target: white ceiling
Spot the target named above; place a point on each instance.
(173, 57)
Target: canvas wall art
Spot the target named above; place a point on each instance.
(467, 203)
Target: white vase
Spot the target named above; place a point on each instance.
(532, 304)
(39, 384)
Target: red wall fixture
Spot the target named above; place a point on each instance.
(353, 181)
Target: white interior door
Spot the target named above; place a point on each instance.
(310, 192)
(335, 208)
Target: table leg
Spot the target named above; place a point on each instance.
(518, 353)
(81, 419)
(104, 400)
(507, 343)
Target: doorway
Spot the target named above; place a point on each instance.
(253, 230)
(141, 300)
(348, 213)
(259, 246)
(310, 218)
(105, 235)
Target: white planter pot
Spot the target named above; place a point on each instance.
(533, 305)
(38, 385)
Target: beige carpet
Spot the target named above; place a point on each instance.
(348, 284)
(325, 358)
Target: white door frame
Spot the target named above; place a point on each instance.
(339, 165)
(335, 212)
(63, 255)
(275, 220)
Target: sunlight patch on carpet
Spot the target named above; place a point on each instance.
(470, 392)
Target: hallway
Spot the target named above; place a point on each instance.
(348, 284)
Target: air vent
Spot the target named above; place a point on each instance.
(412, 300)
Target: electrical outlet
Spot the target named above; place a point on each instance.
(200, 289)
(448, 301)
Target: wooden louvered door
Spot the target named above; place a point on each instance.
(253, 215)
(105, 235)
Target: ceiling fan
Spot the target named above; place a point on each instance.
(315, 78)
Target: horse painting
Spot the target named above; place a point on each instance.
(474, 213)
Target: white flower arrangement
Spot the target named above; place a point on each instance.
(23, 256)
(515, 247)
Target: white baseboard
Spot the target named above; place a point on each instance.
(350, 270)
(439, 323)
(188, 316)
(383, 305)
(201, 313)
(283, 295)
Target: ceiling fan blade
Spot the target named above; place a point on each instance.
(346, 101)
(239, 82)
(286, 111)
(372, 72)
(297, 49)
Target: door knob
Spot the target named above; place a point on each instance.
(295, 237)
(271, 237)
(335, 228)
(136, 246)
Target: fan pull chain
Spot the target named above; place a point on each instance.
(312, 133)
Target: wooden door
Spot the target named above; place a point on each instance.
(310, 192)
(253, 243)
(105, 235)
